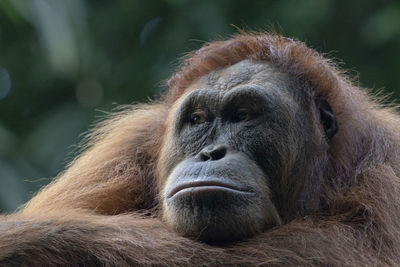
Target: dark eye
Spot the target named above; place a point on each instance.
(198, 117)
(242, 115)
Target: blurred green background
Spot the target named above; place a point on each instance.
(65, 63)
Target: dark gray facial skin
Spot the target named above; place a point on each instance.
(233, 149)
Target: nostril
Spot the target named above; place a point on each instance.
(204, 156)
(218, 153)
(213, 153)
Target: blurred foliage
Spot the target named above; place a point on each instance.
(64, 62)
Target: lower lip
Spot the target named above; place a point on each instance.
(209, 189)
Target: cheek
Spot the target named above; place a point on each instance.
(169, 157)
(273, 145)
(169, 154)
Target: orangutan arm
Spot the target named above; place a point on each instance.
(129, 240)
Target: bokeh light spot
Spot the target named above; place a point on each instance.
(89, 92)
(148, 29)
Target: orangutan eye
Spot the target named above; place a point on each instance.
(198, 117)
(242, 115)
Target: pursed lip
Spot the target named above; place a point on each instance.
(209, 184)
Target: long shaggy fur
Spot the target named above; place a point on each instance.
(102, 210)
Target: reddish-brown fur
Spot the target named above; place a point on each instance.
(103, 208)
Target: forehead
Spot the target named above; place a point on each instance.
(260, 73)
